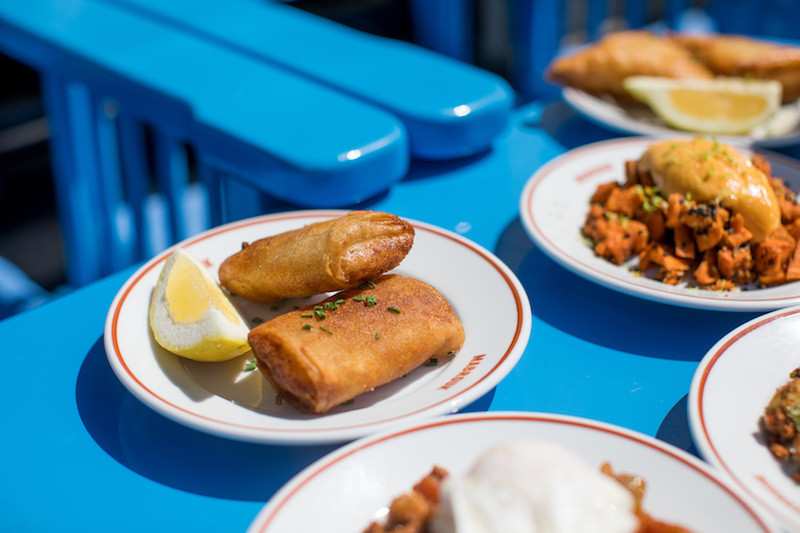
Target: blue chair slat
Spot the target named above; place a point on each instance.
(449, 108)
(445, 26)
(536, 32)
(280, 133)
(73, 151)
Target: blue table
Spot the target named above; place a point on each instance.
(79, 453)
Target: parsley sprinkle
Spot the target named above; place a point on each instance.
(308, 326)
(393, 309)
(326, 330)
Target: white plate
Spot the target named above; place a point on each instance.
(348, 488)
(225, 400)
(553, 208)
(783, 130)
(730, 390)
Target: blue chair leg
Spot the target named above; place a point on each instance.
(74, 153)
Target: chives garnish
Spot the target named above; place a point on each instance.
(308, 326)
(351, 401)
(371, 300)
(378, 335)
(393, 309)
(432, 362)
(257, 320)
(340, 301)
(369, 283)
(307, 315)
(358, 298)
(320, 314)
(326, 330)
(318, 307)
(250, 366)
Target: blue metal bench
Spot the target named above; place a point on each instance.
(449, 108)
(129, 99)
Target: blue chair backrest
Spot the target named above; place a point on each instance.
(539, 29)
(449, 108)
(129, 100)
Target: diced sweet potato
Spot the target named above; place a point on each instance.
(622, 239)
(771, 258)
(793, 268)
(707, 272)
(624, 201)
(675, 203)
(684, 242)
(736, 264)
(603, 191)
(708, 222)
(736, 234)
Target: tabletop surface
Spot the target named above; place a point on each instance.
(80, 453)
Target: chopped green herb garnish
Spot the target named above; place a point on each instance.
(320, 314)
(307, 315)
(318, 307)
(393, 309)
(358, 298)
(377, 335)
(257, 320)
(326, 330)
(340, 301)
(432, 362)
(371, 300)
(368, 284)
(250, 366)
(308, 326)
(351, 401)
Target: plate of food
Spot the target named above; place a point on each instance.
(508, 471)
(708, 225)
(738, 88)
(324, 326)
(744, 403)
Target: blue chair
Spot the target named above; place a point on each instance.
(540, 29)
(157, 133)
(449, 108)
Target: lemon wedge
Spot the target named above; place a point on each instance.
(190, 315)
(719, 106)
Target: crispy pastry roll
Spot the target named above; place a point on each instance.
(320, 356)
(601, 68)
(321, 257)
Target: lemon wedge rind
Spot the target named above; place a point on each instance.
(191, 316)
(729, 106)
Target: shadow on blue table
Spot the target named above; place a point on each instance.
(169, 453)
(606, 317)
(174, 455)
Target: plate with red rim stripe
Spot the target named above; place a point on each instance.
(353, 485)
(556, 199)
(730, 390)
(228, 400)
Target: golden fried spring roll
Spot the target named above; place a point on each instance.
(321, 257)
(372, 336)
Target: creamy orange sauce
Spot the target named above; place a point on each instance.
(708, 170)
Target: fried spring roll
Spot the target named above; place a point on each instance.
(325, 256)
(368, 337)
